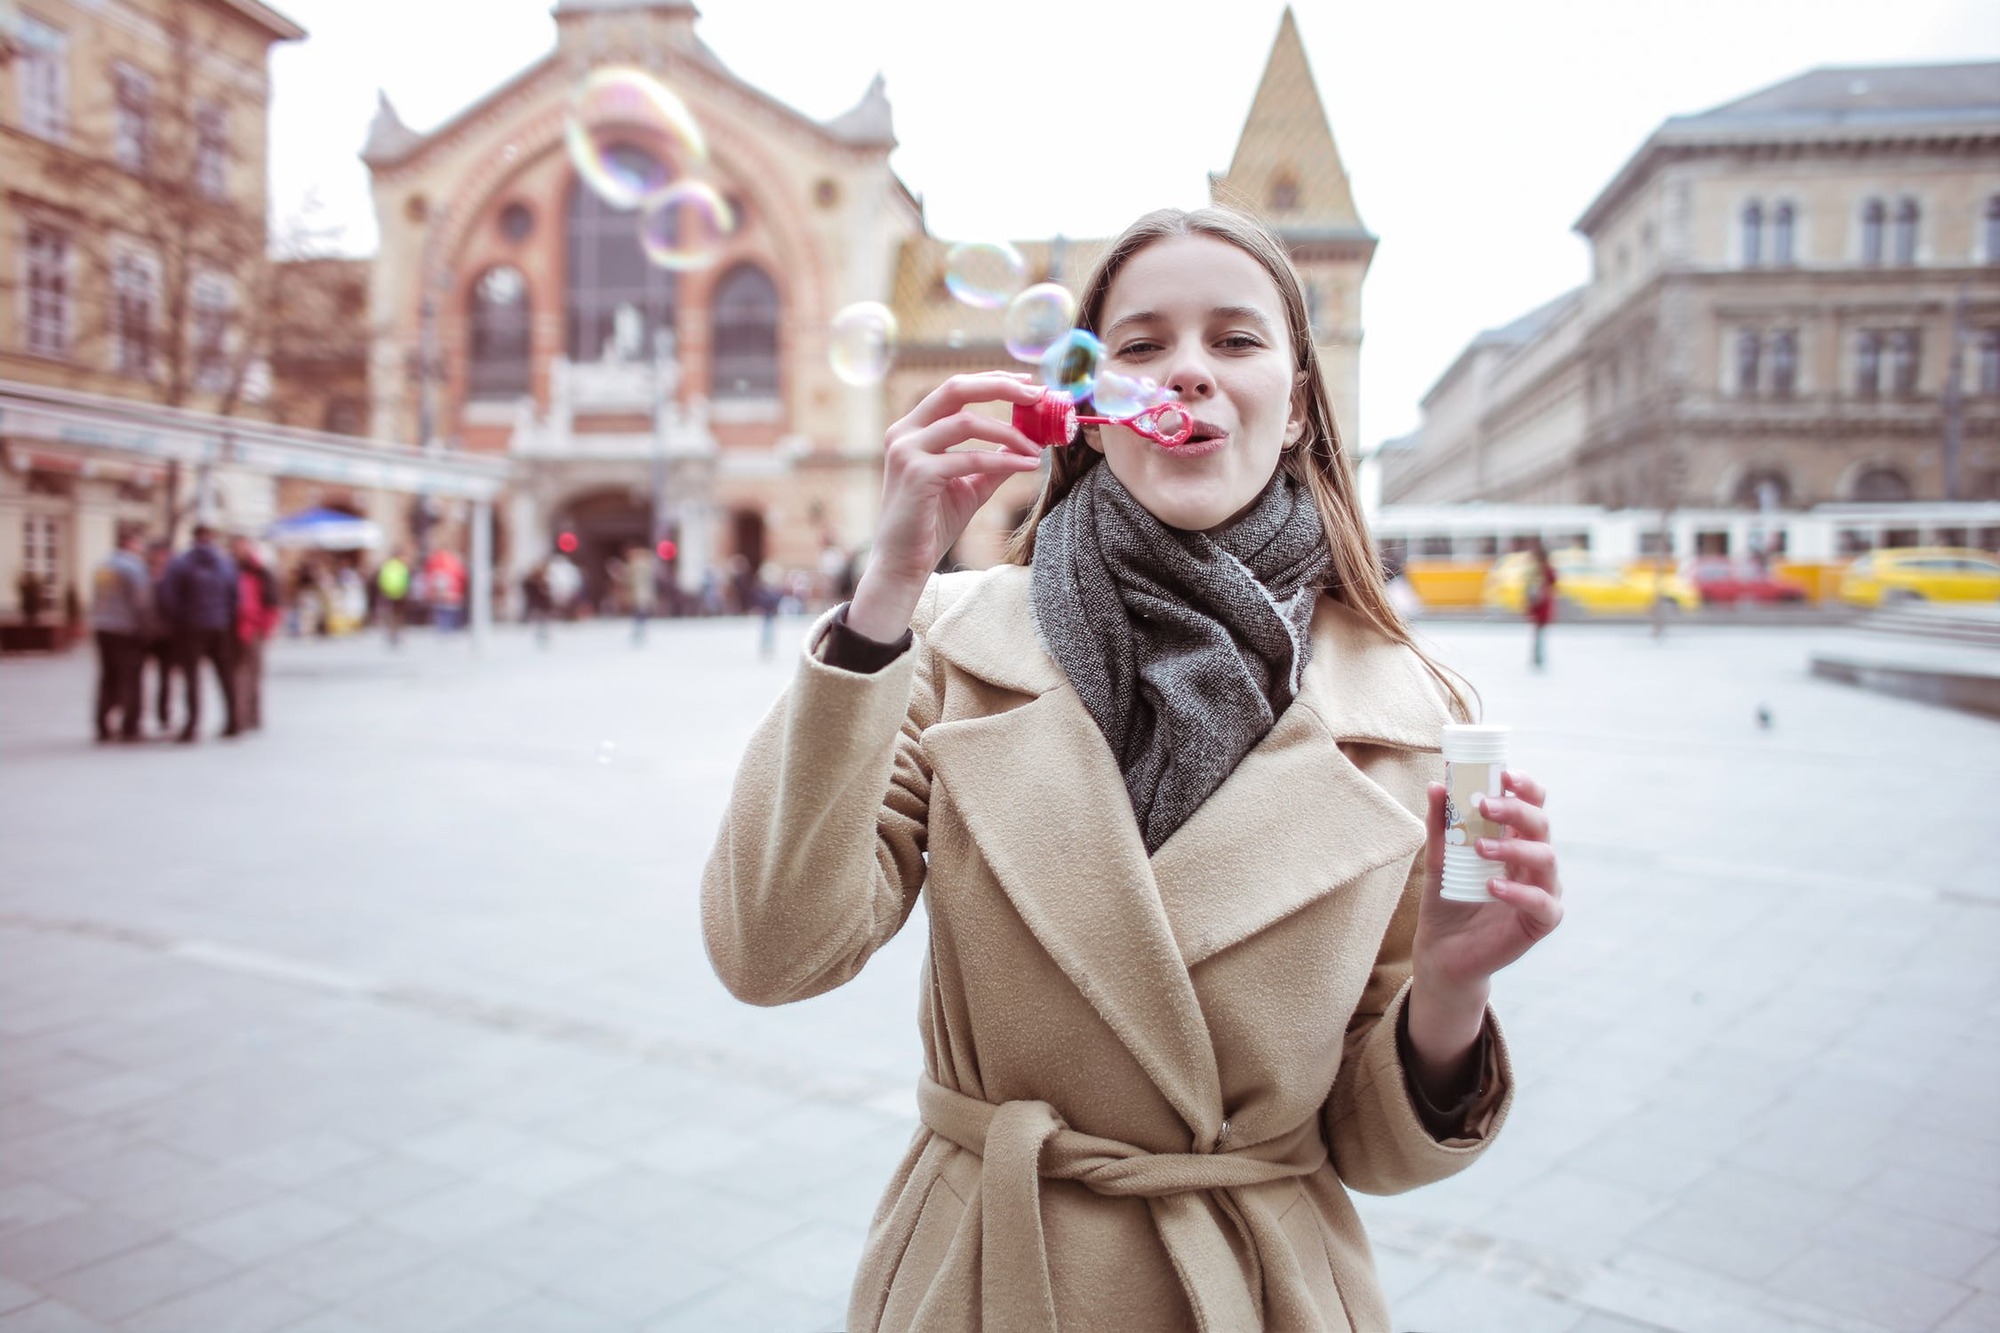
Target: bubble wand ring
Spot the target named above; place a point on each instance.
(1053, 419)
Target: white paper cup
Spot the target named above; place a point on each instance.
(1474, 756)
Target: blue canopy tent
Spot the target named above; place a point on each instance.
(324, 530)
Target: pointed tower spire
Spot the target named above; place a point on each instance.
(1286, 165)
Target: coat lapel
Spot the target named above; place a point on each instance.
(1042, 796)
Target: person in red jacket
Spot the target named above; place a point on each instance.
(258, 613)
(1541, 598)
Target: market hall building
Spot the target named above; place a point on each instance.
(516, 316)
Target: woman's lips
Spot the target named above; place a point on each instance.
(1196, 446)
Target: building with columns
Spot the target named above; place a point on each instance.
(516, 316)
(1794, 298)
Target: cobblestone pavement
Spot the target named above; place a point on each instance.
(395, 1016)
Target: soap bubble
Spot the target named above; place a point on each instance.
(1071, 363)
(862, 343)
(683, 226)
(1126, 395)
(626, 132)
(985, 274)
(1036, 318)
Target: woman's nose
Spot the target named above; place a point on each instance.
(1190, 379)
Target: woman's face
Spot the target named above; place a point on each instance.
(1204, 319)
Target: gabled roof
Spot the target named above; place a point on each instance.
(280, 28)
(1287, 140)
(1827, 107)
(1509, 338)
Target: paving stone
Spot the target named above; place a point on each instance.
(1453, 1300)
(1979, 1314)
(546, 1314)
(32, 1203)
(381, 1183)
(53, 1317)
(266, 1229)
(1931, 1248)
(37, 1253)
(816, 1260)
(332, 1321)
(1958, 1202)
(196, 1196)
(114, 1288)
(15, 1295)
(443, 1296)
(246, 1303)
(459, 1212)
(1895, 1297)
(298, 1161)
(1578, 1217)
(745, 1308)
(348, 1262)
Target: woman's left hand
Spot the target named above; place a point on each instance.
(1459, 946)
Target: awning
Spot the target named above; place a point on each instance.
(324, 530)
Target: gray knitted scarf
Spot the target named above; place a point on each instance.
(1185, 647)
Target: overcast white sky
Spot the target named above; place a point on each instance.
(1474, 132)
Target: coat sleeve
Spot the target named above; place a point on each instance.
(821, 853)
(1373, 1129)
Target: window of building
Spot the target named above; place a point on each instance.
(1284, 194)
(1903, 362)
(1867, 363)
(1993, 229)
(44, 78)
(1783, 229)
(1748, 348)
(1753, 234)
(41, 552)
(501, 335)
(1882, 485)
(1905, 249)
(132, 284)
(211, 150)
(517, 222)
(1784, 363)
(1873, 218)
(606, 268)
(746, 335)
(1989, 361)
(46, 284)
(132, 118)
(213, 308)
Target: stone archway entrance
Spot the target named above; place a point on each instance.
(605, 523)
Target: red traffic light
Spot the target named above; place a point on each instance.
(566, 543)
(668, 550)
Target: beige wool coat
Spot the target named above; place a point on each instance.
(1149, 1082)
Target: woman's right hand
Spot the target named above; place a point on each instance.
(930, 491)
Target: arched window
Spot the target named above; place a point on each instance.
(499, 335)
(746, 335)
(1782, 244)
(606, 269)
(1873, 216)
(1753, 234)
(1993, 229)
(1903, 362)
(1755, 483)
(1284, 194)
(1989, 361)
(1881, 485)
(1906, 231)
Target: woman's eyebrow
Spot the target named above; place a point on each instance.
(1248, 313)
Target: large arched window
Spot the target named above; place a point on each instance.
(1783, 218)
(1881, 485)
(1993, 229)
(1873, 215)
(746, 335)
(607, 270)
(1906, 231)
(499, 335)
(1753, 234)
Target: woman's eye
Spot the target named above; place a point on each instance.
(1137, 348)
(1240, 342)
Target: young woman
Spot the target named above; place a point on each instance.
(1164, 780)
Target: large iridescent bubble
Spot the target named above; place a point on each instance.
(984, 274)
(862, 343)
(623, 108)
(1116, 395)
(684, 227)
(1036, 319)
(1071, 363)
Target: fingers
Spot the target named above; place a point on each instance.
(1541, 911)
(1524, 787)
(1528, 821)
(1519, 854)
(961, 391)
(960, 428)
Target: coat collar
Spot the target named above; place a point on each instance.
(1043, 798)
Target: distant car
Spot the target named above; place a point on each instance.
(1597, 587)
(1921, 574)
(1719, 579)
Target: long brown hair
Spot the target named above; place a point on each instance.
(1317, 461)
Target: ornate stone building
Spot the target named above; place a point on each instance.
(1795, 294)
(701, 405)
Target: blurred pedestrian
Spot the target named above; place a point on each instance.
(641, 576)
(161, 649)
(536, 599)
(1541, 596)
(121, 612)
(392, 581)
(565, 584)
(198, 597)
(444, 588)
(257, 615)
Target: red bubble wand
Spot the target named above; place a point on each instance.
(1052, 419)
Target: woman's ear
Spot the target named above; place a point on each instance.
(1301, 416)
(1088, 434)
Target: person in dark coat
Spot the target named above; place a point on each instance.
(198, 598)
(161, 650)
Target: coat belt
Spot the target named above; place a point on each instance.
(1020, 1142)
